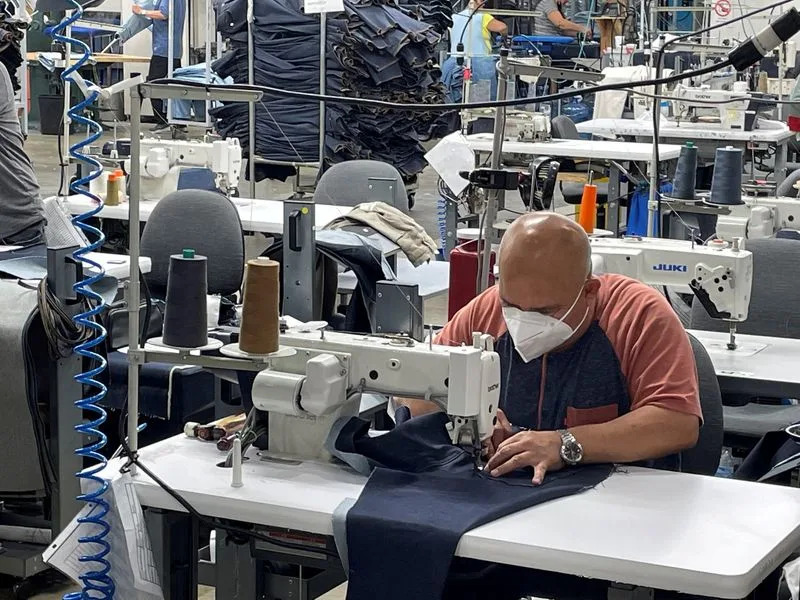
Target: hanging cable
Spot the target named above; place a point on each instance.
(96, 581)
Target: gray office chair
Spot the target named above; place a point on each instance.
(773, 312)
(563, 128)
(348, 184)
(203, 220)
(703, 459)
(786, 187)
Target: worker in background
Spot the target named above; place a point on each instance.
(471, 35)
(594, 369)
(21, 212)
(553, 21)
(475, 30)
(159, 62)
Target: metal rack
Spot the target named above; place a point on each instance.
(137, 355)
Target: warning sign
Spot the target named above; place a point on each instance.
(722, 8)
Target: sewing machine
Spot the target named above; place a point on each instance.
(520, 125)
(758, 217)
(305, 393)
(162, 161)
(694, 105)
(719, 274)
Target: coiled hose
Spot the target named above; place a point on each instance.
(96, 581)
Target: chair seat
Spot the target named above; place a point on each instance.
(755, 420)
(573, 192)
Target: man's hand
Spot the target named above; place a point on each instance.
(502, 431)
(137, 10)
(587, 33)
(538, 449)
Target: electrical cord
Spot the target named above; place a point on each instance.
(310, 96)
(63, 333)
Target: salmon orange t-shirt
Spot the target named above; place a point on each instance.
(635, 353)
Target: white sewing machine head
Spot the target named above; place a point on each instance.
(694, 105)
(162, 161)
(719, 274)
(305, 393)
(521, 125)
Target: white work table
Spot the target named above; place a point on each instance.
(766, 366)
(593, 149)
(707, 139)
(663, 530)
(118, 265)
(769, 132)
(263, 216)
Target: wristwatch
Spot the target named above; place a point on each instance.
(571, 449)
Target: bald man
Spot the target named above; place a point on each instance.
(594, 369)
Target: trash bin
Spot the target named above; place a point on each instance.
(51, 109)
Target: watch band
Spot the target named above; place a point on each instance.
(571, 449)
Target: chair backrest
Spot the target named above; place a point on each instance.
(703, 459)
(563, 128)
(348, 184)
(203, 220)
(774, 297)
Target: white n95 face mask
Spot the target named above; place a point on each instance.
(535, 334)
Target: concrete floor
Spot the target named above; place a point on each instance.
(43, 151)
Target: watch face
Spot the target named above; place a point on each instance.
(571, 452)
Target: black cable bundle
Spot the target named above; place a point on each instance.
(63, 334)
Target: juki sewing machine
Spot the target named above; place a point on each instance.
(520, 125)
(758, 217)
(719, 274)
(306, 392)
(163, 160)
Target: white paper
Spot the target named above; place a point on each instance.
(132, 564)
(449, 157)
(323, 6)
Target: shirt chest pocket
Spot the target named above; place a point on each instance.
(596, 399)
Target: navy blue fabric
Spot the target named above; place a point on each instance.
(403, 530)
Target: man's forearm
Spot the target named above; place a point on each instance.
(156, 15)
(642, 434)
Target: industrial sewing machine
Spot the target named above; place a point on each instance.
(163, 160)
(323, 380)
(758, 217)
(520, 125)
(735, 109)
(719, 274)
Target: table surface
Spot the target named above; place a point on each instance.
(614, 127)
(118, 265)
(600, 149)
(694, 534)
(33, 58)
(264, 216)
(777, 363)
(433, 278)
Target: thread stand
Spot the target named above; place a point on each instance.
(233, 351)
(213, 344)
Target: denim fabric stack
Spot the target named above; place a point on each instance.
(286, 56)
(378, 51)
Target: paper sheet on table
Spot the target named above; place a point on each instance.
(133, 566)
(449, 157)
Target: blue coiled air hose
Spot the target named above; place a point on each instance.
(96, 581)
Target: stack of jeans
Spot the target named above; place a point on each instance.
(385, 53)
(379, 51)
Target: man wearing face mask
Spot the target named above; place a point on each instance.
(594, 369)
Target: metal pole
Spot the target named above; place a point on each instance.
(23, 84)
(493, 197)
(781, 67)
(252, 106)
(642, 23)
(170, 52)
(133, 281)
(65, 125)
(323, 42)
